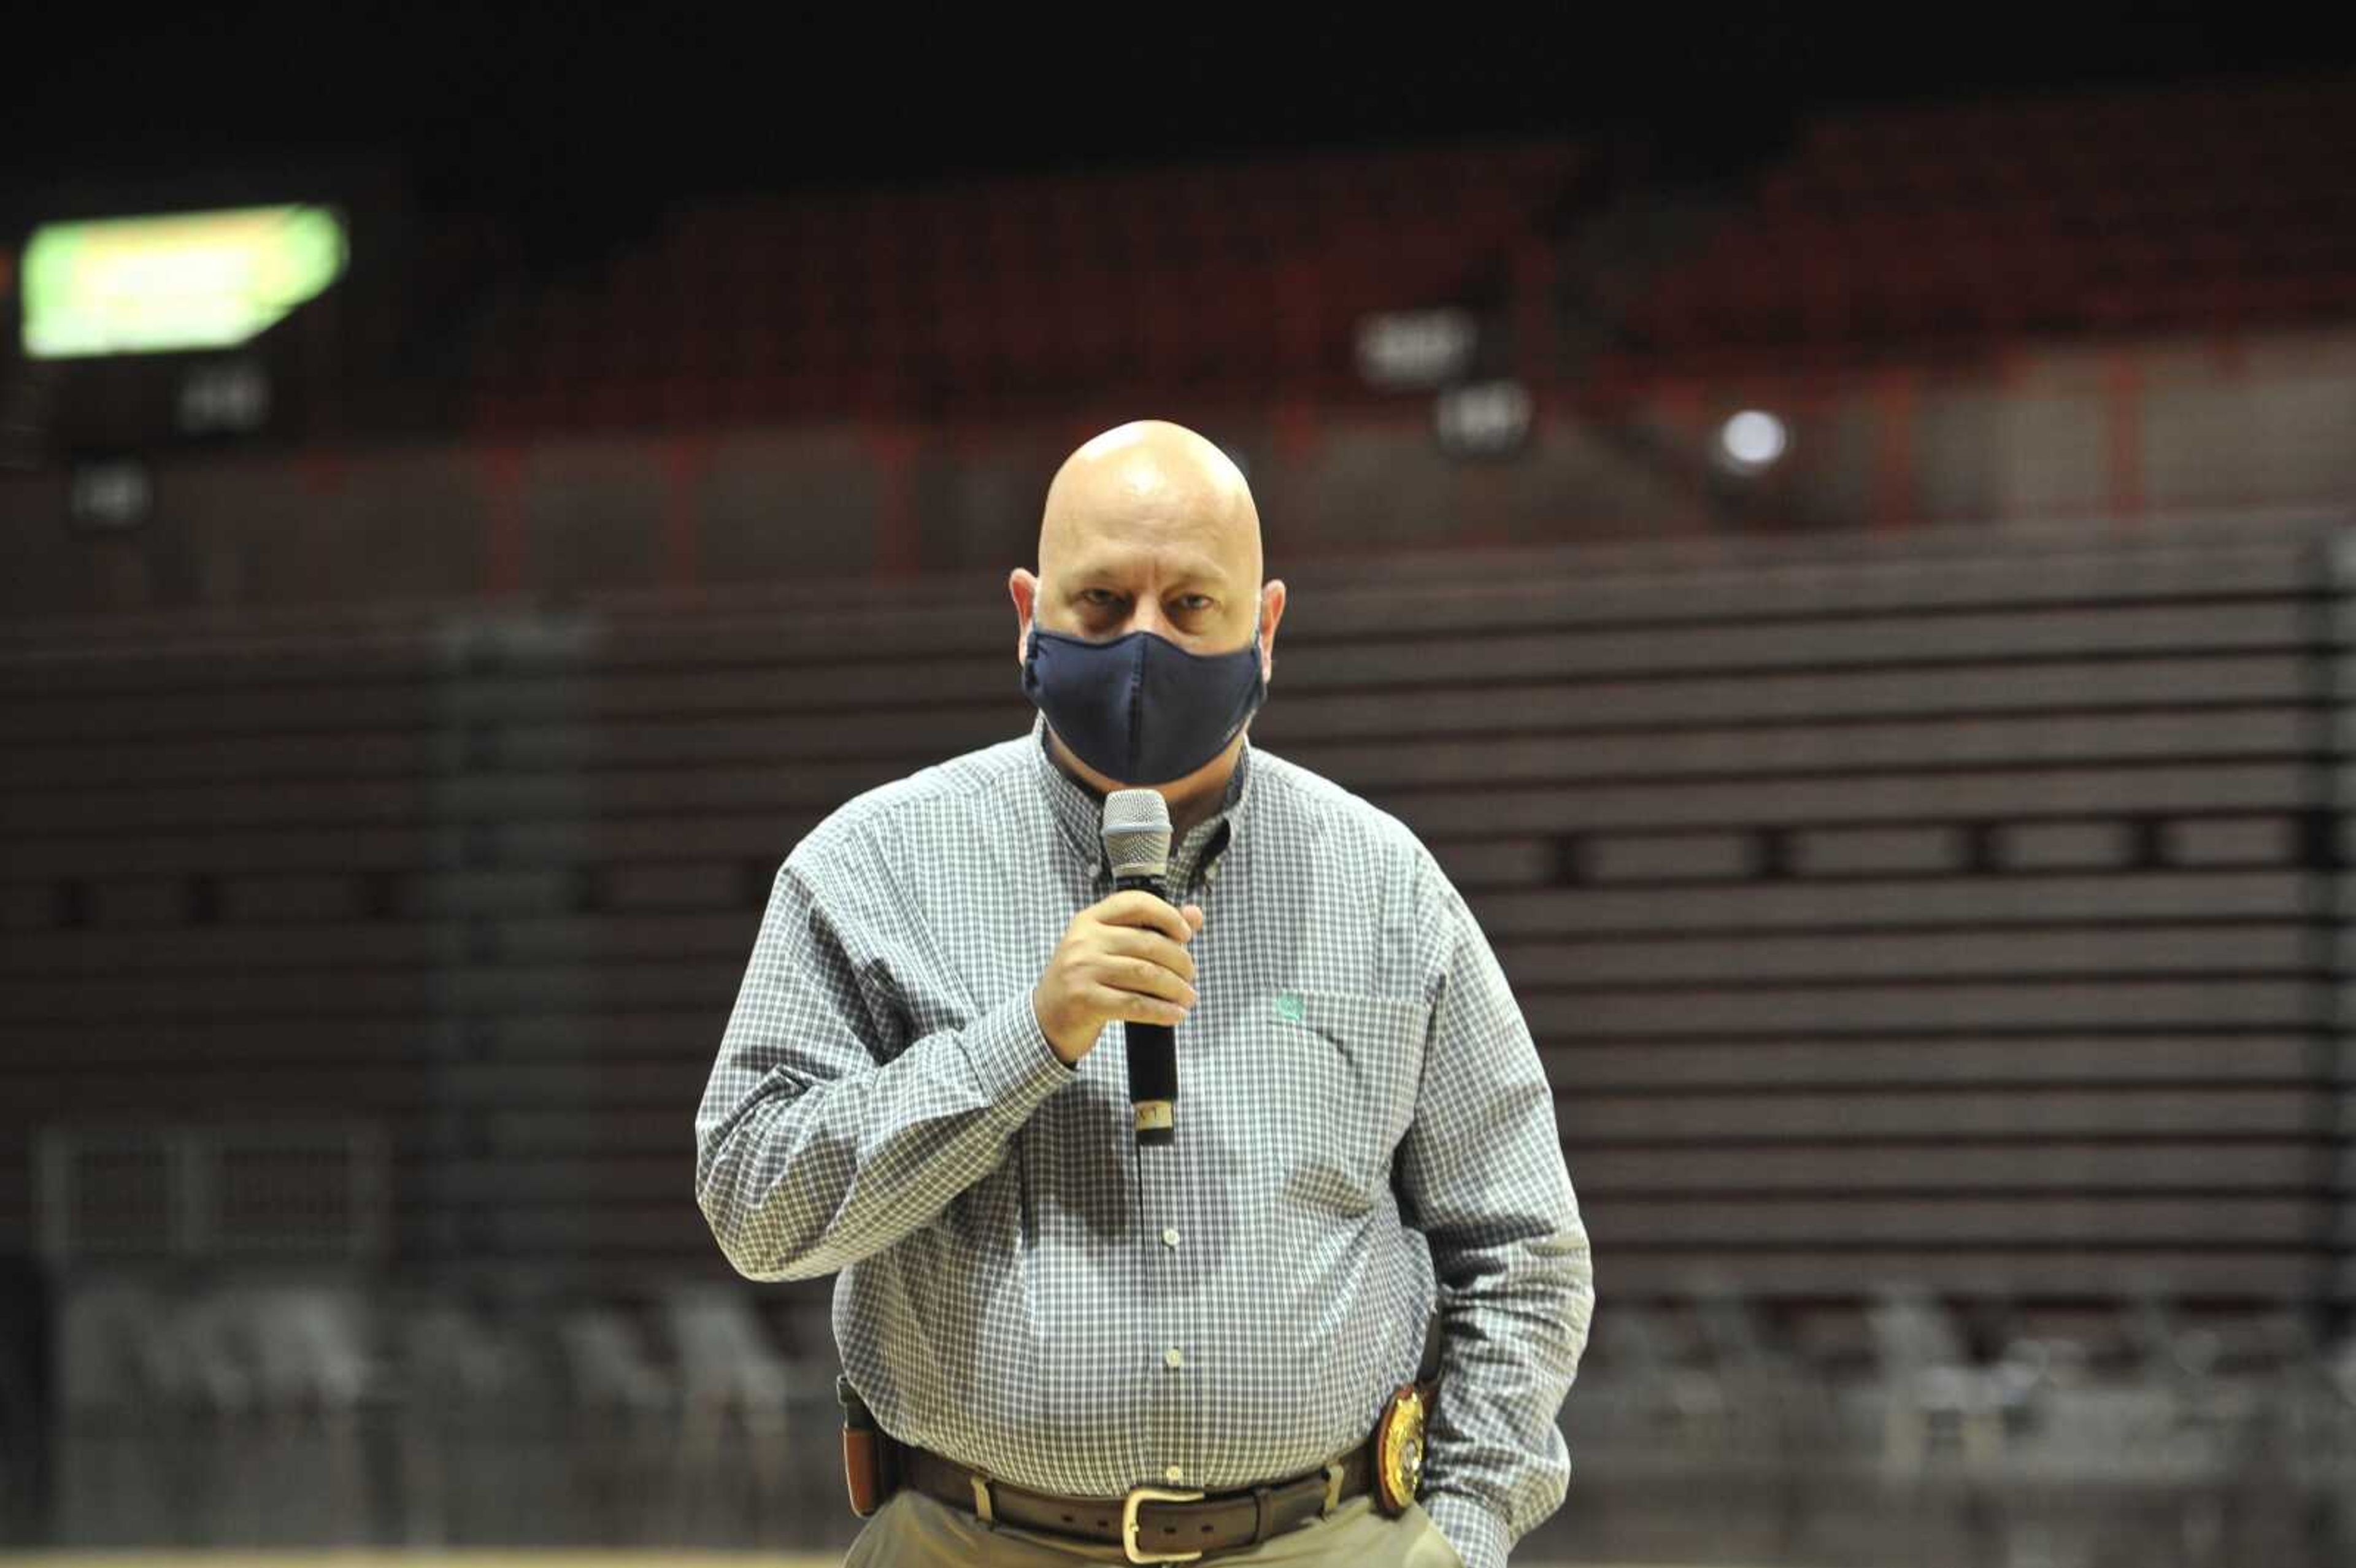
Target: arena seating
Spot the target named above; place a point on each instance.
(1708, 1424)
(1882, 235)
(1012, 294)
(1938, 919)
(1929, 231)
(1941, 917)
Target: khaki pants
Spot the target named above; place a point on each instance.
(913, 1530)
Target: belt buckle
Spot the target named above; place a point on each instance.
(1128, 1523)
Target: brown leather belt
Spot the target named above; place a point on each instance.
(1152, 1524)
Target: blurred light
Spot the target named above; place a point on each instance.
(1416, 348)
(1488, 419)
(1753, 440)
(113, 493)
(197, 279)
(231, 397)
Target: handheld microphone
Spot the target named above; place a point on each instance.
(1137, 842)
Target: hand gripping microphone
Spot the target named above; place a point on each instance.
(1137, 843)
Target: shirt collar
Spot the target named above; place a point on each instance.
(1079, 810)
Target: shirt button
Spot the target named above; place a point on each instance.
(1169, 1237)
(1171, 1357)
(1174, 1475)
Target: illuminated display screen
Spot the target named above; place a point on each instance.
(195, 279)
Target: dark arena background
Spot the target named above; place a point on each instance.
(1839, 543)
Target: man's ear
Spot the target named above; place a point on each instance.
(1023, 589)
(1272, 610)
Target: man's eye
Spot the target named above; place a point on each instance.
(1194, 604)
(1098, 597)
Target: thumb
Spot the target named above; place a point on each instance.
(1193, 913)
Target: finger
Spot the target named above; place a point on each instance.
(1194, 914)
(1131, 1008)
(1144, 978)
(1128, 941)
(1142, 909)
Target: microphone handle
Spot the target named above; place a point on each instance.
(1152, 1055)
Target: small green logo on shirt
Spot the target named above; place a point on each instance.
(1288, 1005)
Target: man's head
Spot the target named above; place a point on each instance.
(1151, 527)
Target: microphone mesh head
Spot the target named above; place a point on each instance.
(1137, 832)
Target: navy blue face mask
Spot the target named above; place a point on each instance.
(1140, 708)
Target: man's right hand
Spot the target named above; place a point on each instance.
(1124, 959)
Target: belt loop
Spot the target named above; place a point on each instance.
(1262, 1523)
(982, 1498)
(1333, 1488)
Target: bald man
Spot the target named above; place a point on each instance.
(1332, 1318)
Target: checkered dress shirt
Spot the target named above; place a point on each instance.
(1365, 1134)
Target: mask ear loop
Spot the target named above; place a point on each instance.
(1260, 680)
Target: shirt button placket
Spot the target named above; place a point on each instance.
(1166, 1430)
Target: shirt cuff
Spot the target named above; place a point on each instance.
(1012, 1065)
(1477, 1532)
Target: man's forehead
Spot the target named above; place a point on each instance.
(1111, 556)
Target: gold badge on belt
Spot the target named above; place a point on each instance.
(1398, 1449)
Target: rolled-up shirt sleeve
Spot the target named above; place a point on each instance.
(825, 1134)
(1481, 1174)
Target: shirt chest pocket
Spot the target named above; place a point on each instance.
(1343, 1069)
